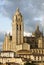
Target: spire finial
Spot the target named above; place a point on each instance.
(37, 27)
(17, 9)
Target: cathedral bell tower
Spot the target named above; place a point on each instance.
(17, 30)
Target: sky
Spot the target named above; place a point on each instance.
(32, 11)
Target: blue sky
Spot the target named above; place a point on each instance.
(5, 25)
(32, 11)
(5, 21)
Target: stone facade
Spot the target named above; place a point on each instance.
(29, 48)
(6, 44)
(16, 42)
(17, 29)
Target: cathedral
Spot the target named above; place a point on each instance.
(31, 47)
(18, 41)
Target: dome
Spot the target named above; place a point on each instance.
(23, 52)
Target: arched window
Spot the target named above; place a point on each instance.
(20, 27)
(17, 27)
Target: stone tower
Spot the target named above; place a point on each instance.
(6, 43)
(17, 30)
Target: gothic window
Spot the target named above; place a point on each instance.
(20, 27)
(17, 34)
(17, 27)
(35, 57)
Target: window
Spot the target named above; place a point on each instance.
(17, 27)
(8, 63)
(20, 27)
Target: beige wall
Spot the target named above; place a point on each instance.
(40, 42)
(18, 47)
(12, 60)
(6, 44)
(26, 46)
(17, 33)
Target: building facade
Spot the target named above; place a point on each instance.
(16, 41)
(31, 47)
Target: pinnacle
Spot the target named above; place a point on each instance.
(17, 9)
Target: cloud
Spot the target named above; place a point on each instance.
(27, 34)
(41, 19)
(32, 11)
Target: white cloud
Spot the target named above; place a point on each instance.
(38, 19)
(42, 22)
(41, 19)
(27, 34)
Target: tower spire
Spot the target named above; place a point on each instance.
(17, 29)
(17, 9)
(37, 27)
